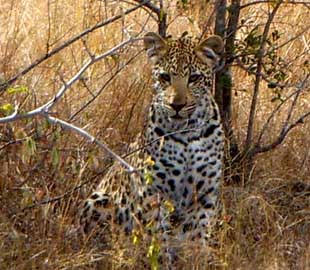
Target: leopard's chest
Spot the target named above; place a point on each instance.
(181, 162)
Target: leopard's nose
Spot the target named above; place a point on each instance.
(177, 107)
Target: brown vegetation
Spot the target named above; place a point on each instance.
(47, 171)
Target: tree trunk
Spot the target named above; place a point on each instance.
(223, 78)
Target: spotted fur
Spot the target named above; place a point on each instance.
(183, 138)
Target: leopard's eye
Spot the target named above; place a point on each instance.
(194, 77)
(164, 77)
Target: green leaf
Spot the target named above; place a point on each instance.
(7, 108)
(149, 162)
(272, 85)
(280, 76)
(55, 157)
(136, 237)
(115, 57)
(161, 15)
(169, 205)
(275, 35)
(56, 135)
(192, 21)
(273, 3)
(27, 198)
(225, 81)
(148, 177)
(229, 9)
(46, 124)
(153, 253)
(31, 146)
(18, 89)
(184, 4)
(253, 39)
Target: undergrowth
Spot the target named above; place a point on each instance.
(46, 171)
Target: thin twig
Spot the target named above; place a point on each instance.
(147, 10)
(67, 193)
(70, 41)
(251, 3)
(47, 106)
(290, 112)
(258, 76)
(43, 110)
(280, 139)
(12, 142)
(208, 23)
(92, 139)
(160, 13)
(57, 198)
(271, 116)
(95, 95)
(263, 76)
(150, 6)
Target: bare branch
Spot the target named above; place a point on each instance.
(232, 29)
(47, 106)
(98, 92)
(92, 139)
(208, 22)
(162, 26)
(144, 7)
(290, 112)
(281, 137)
(67, 193)
(258, 76)
(264, 76)
(43, 110)
(251, 3)
(150, 6)
(10, 117)
(90, 54)
(161, 15)
(40, 60)
(76, 188)
(299, 34)
(10, 143)
(271, 116)
(220, 29)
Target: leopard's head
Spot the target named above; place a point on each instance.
(182, 71)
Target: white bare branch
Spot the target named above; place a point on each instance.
(92, 139)
(44, 110)
(10, 117)
(48, 105)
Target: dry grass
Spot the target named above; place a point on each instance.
(266, 222)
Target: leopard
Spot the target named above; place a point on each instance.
(177, 182)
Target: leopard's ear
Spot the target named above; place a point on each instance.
(208, 50)
(156, 47)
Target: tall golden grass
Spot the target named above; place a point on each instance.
(265, 222)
